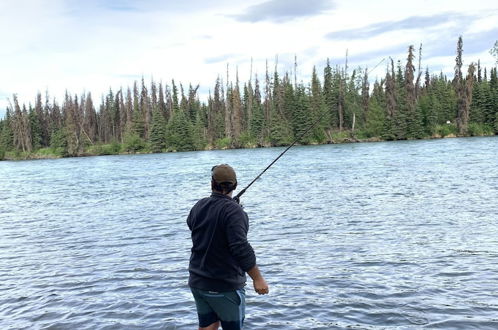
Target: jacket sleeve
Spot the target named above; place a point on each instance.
(189, 220)
(237, 226)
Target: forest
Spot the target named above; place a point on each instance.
(407, 103)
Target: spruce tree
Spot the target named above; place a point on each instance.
(179, 132)
(6, 134)
(36, 129)
(158, 132)
(318, 109)
(330, 94)
(257, 118)
(462, 105)
(301, 119)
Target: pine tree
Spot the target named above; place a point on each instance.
(90, 128)
(145, 109)
(236, 115)
(391, 104)
(257, 118)
(462, 105)
(413, 113)
(400, 124)
(179, 132)
(492, 105)
(36, 129)
(301, 119)
(6, 134)
(376, 115)
(158, 132)
(318, 109)
(280, 131)
(330, 94)
(42, 122)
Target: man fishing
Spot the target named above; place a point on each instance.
(221, 255)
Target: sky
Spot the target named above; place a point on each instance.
(95, 45)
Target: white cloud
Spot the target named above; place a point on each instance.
(97, 44)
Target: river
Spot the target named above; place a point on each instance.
(400, 235)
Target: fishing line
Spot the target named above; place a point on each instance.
(237, 197)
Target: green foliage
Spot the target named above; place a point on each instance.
(223, 143)
(246, 140)
(375, 120)
(340, 136)
(476, 129)
(46, 153)
(58, 142)
(36, 130)
(6, 136)
(133, 143)
(273, 114)
(2, 153)
(446, 130)
(113, 148)
(179, 133)
(496, 123)
(158, 132)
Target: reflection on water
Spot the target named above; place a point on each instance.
(361, 236)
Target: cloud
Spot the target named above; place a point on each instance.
(409, 23)
(220, 58)
(283, 10)
(377, 55)
(472, 43)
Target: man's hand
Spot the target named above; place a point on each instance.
(260, 286)
(258, 281)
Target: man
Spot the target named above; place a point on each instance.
(221, 255)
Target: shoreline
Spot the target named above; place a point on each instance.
(49, 154)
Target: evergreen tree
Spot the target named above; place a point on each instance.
(179, 132)
(257, 118)
(413, 112)
(376, 115)
(42, 122)
(36, 129)
(462, 105)
(158, 132)
(6, 134)
(400, 124)
(330, 94)
(391, 104)
(300, 118)
(318, 109)
(280, 131)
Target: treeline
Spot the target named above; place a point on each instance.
(405, 104)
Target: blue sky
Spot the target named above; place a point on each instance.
(94, 45)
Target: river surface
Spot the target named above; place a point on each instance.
(400, 235)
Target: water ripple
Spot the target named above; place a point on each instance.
(366, 236)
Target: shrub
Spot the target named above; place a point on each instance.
(445, 130)
(223, 143)
(2, 153)
(476, 129)
(133, 143)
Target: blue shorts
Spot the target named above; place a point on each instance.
(227, 307)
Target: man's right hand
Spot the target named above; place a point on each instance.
(258, 281)
(260, 286)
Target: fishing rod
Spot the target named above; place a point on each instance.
(237, 197)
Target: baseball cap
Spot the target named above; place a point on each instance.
(223, 173)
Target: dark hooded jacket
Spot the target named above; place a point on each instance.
(221, 254)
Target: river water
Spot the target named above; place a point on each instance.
(399, 235)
